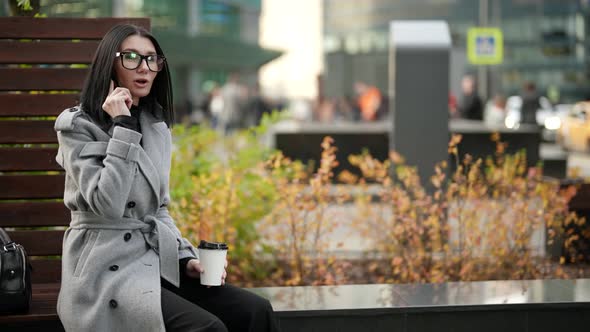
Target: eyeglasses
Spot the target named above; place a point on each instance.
(132, 60)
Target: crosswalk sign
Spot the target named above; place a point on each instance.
(485, 46)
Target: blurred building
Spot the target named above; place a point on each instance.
(204, 40)
(546, 41)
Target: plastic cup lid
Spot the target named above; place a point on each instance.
(212, 245)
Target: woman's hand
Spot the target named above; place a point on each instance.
(194, 270)
(118, 101)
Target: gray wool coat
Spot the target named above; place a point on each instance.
(121, 238)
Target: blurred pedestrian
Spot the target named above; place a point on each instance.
(453, 111)
(216, 108)
(530, 103)
(369, 100)
(326, 110)
(495, 111)
(202, 113)
(258, 106)
(233, 95)
(471, 106)
(344, 109)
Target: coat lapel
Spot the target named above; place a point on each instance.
(153, 141)
(151, 155)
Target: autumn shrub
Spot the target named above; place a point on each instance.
(219, 190)
(486, 219)
(299, 225)
(480, 219)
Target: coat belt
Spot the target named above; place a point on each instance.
(157, 235)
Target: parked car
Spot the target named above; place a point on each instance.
(574, 133)
(548, 117)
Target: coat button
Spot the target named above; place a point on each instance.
(131, 204)
(114, 267)
(113, 304)
(127, 237)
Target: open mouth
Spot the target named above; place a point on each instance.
(141, 82)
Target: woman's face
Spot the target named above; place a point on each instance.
(139, 81)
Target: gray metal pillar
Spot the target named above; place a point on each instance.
(119, 9)
(419, 88)
(193, 8)
(483, 71)
(194, 76)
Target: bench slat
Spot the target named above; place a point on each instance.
(32, 214)
(62, 28)
(46, 270)
(42, 307)
(47, 52)
(31, 186)
(26, 104)
(51, 244)
(19, 79)
(28, 159)
(27, 131)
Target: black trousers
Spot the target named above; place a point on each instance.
(194, 307)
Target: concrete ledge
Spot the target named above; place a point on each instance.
(533, 305)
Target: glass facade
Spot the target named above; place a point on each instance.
(165, 15)
(544, 41)
(220, 18)
(73, 8)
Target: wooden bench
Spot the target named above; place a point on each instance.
(35, 59)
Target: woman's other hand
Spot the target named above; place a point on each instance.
(118, 101)
(194, 270)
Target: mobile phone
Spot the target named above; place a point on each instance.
(114, 79)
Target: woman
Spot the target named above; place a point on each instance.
(125, 265)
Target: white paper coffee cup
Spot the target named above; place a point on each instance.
(212, 256)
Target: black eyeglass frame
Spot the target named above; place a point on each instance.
(142, 57)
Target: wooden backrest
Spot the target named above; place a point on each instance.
(37, 82)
